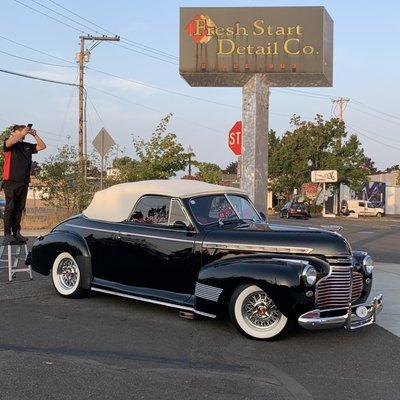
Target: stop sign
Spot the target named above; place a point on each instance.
(235, 138)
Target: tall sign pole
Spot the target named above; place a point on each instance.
(82, 57)
(255, 103)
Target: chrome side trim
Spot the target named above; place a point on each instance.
(158, 302)
(255, 247)
(131, 233)
(207, 292)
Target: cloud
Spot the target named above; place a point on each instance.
(126, 86)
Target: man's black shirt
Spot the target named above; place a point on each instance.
(18, 161)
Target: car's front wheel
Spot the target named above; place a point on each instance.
(255, 314)
(66, 276)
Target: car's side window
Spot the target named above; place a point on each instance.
(361, 204)
(152, 210)
(177, 213)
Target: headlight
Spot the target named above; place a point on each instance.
(309, 275)
(368, 265)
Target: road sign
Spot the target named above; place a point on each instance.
(323, 176)
(235, 138)
(103, 142)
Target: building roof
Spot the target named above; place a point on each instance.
(115, 203)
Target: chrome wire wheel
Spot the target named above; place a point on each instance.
(66, 274)
(256, 315)
(260, 311)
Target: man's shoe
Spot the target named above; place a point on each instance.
(8, 239)
(19, 238)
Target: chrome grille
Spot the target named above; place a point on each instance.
(338, 288)
(357, 286)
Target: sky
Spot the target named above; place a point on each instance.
(366, 65)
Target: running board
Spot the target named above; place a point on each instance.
(158, 302)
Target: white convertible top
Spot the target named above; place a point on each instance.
(115, 203)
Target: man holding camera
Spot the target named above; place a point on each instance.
(16, 177)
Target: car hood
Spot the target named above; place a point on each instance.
(279, 239)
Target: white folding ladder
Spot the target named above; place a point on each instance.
(15, 253)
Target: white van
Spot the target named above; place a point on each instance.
(361, 207)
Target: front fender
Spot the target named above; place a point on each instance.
(47, 248)
(280, 278)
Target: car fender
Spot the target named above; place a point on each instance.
(280, 277)
(48, 247)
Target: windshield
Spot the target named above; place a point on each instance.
(211, 209)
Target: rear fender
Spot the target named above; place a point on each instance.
(47, 248)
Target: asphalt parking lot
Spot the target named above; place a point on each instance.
(105, 347)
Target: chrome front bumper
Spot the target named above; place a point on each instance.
(320, 319)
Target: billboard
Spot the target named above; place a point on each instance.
(225, 46)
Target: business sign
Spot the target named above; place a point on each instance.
(235, 138)
(323, 176)
(225, 46)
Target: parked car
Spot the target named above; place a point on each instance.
(295, 210)
(361, 207)
(204, 250)
(2, 206)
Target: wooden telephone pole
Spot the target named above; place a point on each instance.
(83, 57)
(341, 101)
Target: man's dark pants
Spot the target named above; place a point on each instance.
(15, 193)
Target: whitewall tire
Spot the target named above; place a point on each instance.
(256, 315)
(66, 276)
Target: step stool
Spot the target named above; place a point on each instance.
(13, 259)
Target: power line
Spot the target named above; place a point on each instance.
(125, 40)
(374, 116)
(157, 52)
(376, 110)
(162, 89)
(49, 16)
(36, 61)
(36, 50)
(373, 139)
(38, 78)
(127, 79)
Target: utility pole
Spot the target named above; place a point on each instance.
(341, 101)
(81, 58)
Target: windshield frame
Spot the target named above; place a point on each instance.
(226, 195)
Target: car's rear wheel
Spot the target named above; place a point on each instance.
(66, 276)
(379, 214)
(255, 314)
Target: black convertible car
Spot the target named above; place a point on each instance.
(204, 249)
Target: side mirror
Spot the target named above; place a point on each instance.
(181, 225)
(262, 215)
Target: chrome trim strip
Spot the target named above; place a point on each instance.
(158, 302)
(131, 233)
(254, 247)
(207, 292)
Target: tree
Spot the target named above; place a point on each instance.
(231, 168)
(60, 183)
(160, 157)
(326, 144)
(393, 168)
(209, 172)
